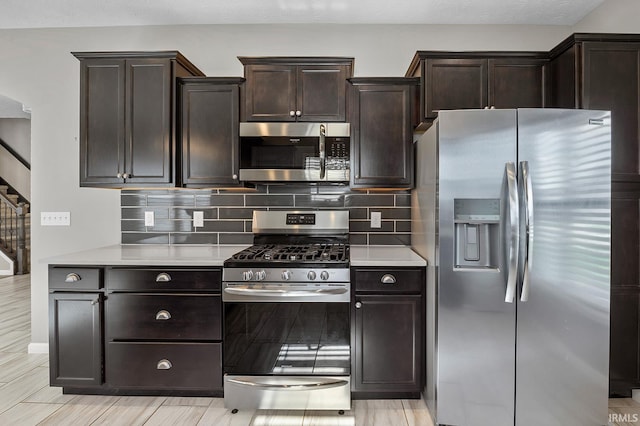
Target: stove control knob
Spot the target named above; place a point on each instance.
(324, 275)
(311, 275)
(261, 275)
(286, 275)
(247, 275)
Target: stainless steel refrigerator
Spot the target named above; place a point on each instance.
(512, 210)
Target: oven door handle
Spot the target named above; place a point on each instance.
(291, 386)
(284, 293)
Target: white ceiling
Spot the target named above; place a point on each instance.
(89, 13)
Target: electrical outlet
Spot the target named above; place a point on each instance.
(55, 218)
(376, 219)
(198, 219)
(149, 219)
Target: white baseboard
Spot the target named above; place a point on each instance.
(38, 348)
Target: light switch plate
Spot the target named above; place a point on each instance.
(376, 219)
(55, 218)
(198, 219)
(149, 219)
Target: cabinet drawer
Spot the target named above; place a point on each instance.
(72, 278)
(163, 316)
(388, 280)
(188, 366)
(163, 279)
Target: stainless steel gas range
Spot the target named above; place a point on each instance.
(286, 314)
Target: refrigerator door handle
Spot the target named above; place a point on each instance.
(528, 221)
(514, 223)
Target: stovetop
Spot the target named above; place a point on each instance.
(321, 254)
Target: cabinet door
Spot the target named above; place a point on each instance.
(75, 339)
(102, 115)
(271, 92)
(148, 121)
(209, 134)
(516, 83)
(611, 72)
(454, 84)
(388, 349)
(321, 92)
(382, 136)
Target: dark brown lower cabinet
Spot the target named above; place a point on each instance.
(75, 339)
(387, 333)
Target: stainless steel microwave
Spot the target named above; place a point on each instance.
(294, 152)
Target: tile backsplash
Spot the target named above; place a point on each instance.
(228, 213)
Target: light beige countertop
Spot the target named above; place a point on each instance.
(385, 256)
(151, 255)
(165, 255)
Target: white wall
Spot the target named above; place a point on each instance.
(16, 132)
(612, 16)
(40, 72)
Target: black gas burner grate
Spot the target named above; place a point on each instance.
(294, 253)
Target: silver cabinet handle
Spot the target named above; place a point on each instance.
(126, 175)
(357, 176)
(388, 279)
(234, 177)
(163, 277)
(298, 113)
(528, 220)
(72, 278)
(164, 364)
(292, 113)
(119, 175)
(163, 315)
(514, 223)
(358, 305)
(331, 383)
(95, 301)
(321, 148)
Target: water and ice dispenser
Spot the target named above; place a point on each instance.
(477, 233)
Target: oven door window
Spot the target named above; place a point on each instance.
(286, 339)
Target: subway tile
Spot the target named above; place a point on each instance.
(397, 213)
(216, 200)
(268, 200)
(369, 200)
(358, 213)
(358, 239)
(133, 200)
(390, 239)
(132, 225)
(247, 225)
(144, 238)
(320, 200)
(403, 226)
(236, 213)
(292, 189)
(187, 212)
(365, 226)
(236, 238)
(222, 226)
(170, 225)
(138, 213)
(403, 200)
(172, 199)
(194, 238)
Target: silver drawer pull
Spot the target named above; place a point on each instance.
(163, 315)
(95, 301)
(388, 279)
(294, 386)
(72, 278)
(164, 364)
(163, 277)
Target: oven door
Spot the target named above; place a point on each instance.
(283, 353)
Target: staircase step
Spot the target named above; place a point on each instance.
(4, 189)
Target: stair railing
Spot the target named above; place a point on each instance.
(13, 232)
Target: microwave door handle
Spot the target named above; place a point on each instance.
(322, 151)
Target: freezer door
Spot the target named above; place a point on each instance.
(476, 327)
(563, 326)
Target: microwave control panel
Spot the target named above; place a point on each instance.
(338, 148)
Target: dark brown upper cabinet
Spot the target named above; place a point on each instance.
(295, 89)
(208, 131)
(382, 116)
(127, 117)
(466, 80)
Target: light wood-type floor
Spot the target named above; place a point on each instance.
(27, 399)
